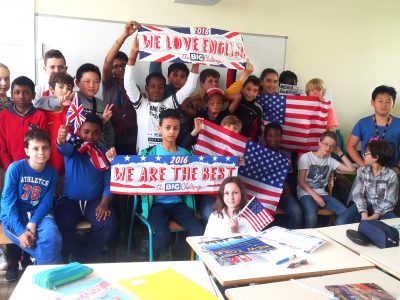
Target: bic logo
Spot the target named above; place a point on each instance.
(172, 187)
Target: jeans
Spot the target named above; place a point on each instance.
(206, 203)
(351, 215)
(310, 207)
(162, 213)
(293, 209)
(47, 248)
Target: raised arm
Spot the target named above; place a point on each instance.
(236, 87)
(187, 108)
(129, 79)
(129, 29)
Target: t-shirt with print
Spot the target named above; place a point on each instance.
(165, 199)
(318, 172)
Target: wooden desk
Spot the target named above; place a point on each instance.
(386, 259)
(295, 290)
(112, 273)
(331, 258)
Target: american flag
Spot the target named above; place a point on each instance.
(256, 214)
(264, 174)
(75, 114)
(303, 119)
(216, 140)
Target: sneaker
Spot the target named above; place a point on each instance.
(11, 273)
(3, 261)
(26, 261)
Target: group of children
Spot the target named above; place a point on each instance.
(164, 119)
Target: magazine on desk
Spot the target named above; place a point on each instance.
(295, 240)
(243, 249)
(359, 291)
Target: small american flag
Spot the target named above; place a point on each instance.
(264, 174)
(75, 114)
(216, 140)
(303, 119)
(256, 214)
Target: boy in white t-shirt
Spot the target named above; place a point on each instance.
(315, 169)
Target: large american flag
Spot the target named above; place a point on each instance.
(264, 174)
(256, 214)
(75, 114)
(216, 140)
(303, 119)
(264, 171)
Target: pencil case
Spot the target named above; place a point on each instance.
(50, 279)
(379, 233)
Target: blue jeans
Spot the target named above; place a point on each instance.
(162, 213)
(293, 209)
(310, 207)
(47, 249)
(206, 203)
(351, 215)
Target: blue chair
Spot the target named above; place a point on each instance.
(147, 202)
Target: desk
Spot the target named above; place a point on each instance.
(112, 273)
(291, 290)
(331, 258)
(386, 259)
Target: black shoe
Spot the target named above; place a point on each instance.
(25, 261)
(11, 273)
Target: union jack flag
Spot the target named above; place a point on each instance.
(303, 119)
(75, 114)
(256, 214)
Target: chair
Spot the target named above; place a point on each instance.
(4, 240)
(173, 226)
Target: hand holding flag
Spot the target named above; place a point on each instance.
(256, 214)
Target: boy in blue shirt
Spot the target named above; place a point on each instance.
(168, 207)
(27, 201)
(86, 191)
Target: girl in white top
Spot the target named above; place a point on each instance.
(231, 198)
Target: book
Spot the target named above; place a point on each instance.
(93, 289)
(360, 291)
(166, 284)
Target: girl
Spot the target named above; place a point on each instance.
(4, 86)
(231, 199)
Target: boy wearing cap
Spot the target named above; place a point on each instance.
(215, 98)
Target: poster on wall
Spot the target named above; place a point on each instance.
(174, 175)
(202, 45)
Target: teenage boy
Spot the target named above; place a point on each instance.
(164, 208)
(380, 126)
(27, 201)
(149, 109)
(123, 117)
(54, 62)
(86, 191)
(376, 187)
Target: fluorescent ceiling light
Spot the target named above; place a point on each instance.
(198, 2)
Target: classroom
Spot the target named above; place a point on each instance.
(352, 46)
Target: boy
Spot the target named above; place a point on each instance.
(273, 137)
(60, 87)
(315, 169)
(209, 78)
(27, 201)
(249, 111)
(54, 62)
(316, 88)
(376, 187)
(148, 109)
(380, 126)
(168, 207)
(123, 117)
(86, 191)
(15, 122)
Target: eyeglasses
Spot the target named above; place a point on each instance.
(121, 66)
(367, 153)
(329, 146)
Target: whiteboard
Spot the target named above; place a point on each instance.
(88, 40)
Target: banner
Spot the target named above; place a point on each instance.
(174, 175)
(203, 45)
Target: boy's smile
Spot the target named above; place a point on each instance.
(22, 97)
(90, 132)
